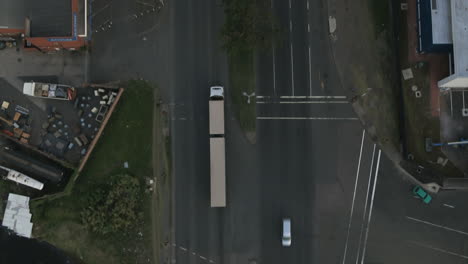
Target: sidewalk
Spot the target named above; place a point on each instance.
(370, 72)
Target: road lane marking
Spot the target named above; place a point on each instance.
(354, 195)
(365, 205)
(304, 102)
(310, 74)
(211, 261)
(307, 118)
(184, 249)
(292, 68)
(436, 225)
(448, 205)
(303, 97)
(289, 4)
(314, 97)
(438, 249)
(202, 257)
(371, 207)
(307, 5)
(274, 71)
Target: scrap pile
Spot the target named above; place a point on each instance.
(15, 121)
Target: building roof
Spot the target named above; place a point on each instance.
(460, 36)
(17, 216)
(49, 18)
(12, 14)
(441, 22)
(459, 78)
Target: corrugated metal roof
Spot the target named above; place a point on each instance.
(49, 18)
(17, 216)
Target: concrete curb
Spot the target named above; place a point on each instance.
(396, 158)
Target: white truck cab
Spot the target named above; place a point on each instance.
(216, 92)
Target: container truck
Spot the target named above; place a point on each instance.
(217, 147)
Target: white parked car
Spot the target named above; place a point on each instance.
(286, 232)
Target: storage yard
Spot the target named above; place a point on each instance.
(51, 128)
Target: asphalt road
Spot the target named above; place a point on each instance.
(312, 162)
(309, 141)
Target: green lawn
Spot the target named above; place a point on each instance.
(127, 137)
(242, 79)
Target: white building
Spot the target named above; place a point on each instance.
(459, 21)
(17, 216)
(442, 28)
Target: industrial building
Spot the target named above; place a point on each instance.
(47, 25)
(17, 216)
(442, 29)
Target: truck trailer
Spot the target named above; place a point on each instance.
(217, 148)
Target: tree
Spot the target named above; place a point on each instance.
(248, 25)
(113, 207)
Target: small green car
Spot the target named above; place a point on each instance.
(420, 192)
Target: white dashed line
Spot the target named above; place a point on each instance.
(439, 226)
(202, 257)
(184, 249)
(448, 205)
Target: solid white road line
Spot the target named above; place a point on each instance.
(438, 249)
(308, 8)
(292, 67)
(304, 102)
(371, 206)
(365, 205)
(439, 226)
(307, 118)
(314, 97)
(354, 195)
(310, 74)
(274, 71)
(448, 205)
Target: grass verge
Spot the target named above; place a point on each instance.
(242, 80)
(419, 122)
(128, 137)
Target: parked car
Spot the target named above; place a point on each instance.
(286, 232)
(421, 193)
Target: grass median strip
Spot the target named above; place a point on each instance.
(242, 80)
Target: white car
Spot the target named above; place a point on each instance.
(286, 232)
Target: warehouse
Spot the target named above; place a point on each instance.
(46, 25)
